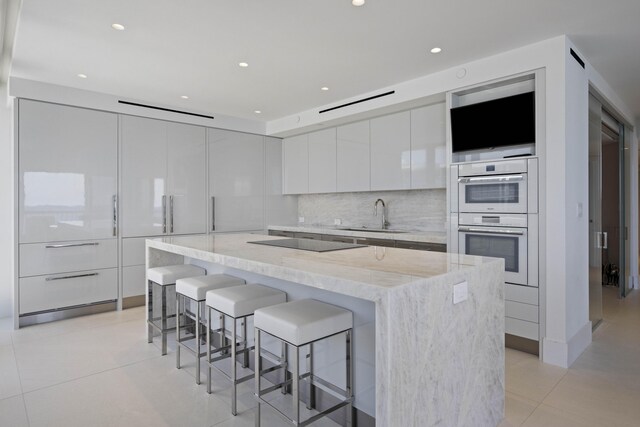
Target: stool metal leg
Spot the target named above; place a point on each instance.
(285, 371)
(164, 320)
(349, 377)
(208, 349)
(245, 342)
(258, 369)
(311, 402)
(150, 311)
(178, 298)
(234, 366)
(296, 385)
(197, 342)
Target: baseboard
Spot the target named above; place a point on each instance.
(564, 354)
(135, 301)
(66, 313)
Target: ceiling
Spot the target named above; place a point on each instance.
(294, 47)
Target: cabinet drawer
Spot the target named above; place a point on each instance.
(133, 251)
(133, 281)
(521, 311)
(51, 258)
(519, 293)
(56, 291)
(521, 328)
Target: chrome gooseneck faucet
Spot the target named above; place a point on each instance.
(385, 223)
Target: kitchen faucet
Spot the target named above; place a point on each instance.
(385, 223)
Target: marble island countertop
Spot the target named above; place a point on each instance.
(408, 235)
(359, 272)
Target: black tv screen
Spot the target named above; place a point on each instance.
(496, 123)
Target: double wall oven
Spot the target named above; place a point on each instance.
(495, 214)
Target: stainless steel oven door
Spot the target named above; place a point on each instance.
(493, 193)
(509, 244)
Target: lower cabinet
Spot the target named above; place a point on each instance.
(56, 291)
(521, 311)
(133, 281)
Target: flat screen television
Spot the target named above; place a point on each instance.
(497, 123)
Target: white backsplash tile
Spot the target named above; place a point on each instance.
(419, 210)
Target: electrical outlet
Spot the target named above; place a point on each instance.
(300, 219)
(337, 221)
(460, 292)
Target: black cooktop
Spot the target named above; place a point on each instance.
(309, 244)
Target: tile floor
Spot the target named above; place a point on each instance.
(99, 371)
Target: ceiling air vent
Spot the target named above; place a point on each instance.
(391, 92)
(153, 107)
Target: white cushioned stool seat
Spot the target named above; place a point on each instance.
(168, 275)
(239, 301)
(196, 287)
(303, 321)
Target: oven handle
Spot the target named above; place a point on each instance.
(498, 178)
(491, 231)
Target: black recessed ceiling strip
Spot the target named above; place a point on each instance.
(391, 92)
(135, 104)
(576, 57)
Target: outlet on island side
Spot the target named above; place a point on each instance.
(460, 292)
(301, 219)
(337, 221)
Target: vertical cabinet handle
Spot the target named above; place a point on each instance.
(213, 213)
(164, 214)
(171, 214)
(605, 245)
(598, 240)
(115, 215)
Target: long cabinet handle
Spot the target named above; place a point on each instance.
(71, 245)
(75, 276)
(171, 214)
(498, 178)
(115, 215)
(491, 231)
(213, 213)
(164, 214)
(605, 244)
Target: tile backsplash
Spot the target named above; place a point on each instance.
(419, 210)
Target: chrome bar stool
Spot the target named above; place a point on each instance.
(162, 278)
(193, 291)
(298, 324)
(238, 302)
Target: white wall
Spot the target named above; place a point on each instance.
(6, 205)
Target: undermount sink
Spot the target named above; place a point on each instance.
(373, 230)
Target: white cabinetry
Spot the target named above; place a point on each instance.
(296, 165)
(428, 147)
(322, 161)
(67, 184)
(67, 173)
(279, 208)
(236, 180)
(391, 152)
(353, 165)
(163, 177)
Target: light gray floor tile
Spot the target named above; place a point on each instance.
(9, 378)
(13, 413)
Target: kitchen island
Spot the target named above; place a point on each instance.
(420, 359)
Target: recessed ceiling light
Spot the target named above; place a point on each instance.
(258, 112)
(118, 27)
(243, 64)
(436, 50)
(82, 76)
(357, 2)
(324, 88)
(184, 97)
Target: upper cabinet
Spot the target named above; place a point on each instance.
(67, 173)
(279, 209)
(296, 165)
(163, 173)
(353, 166)
(322, 161)
(236, 181)
(391, 152)
(428, 147)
